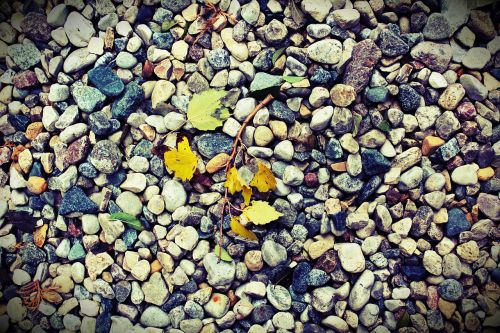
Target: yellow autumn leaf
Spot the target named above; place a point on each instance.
(264, 179)
(260, 212)
(233, 181)
(182, 161)
(247, 194)
(240, 230)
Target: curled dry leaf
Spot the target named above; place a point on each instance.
(51, 295)
(40, 234)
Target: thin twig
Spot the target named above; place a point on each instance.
(238, 142)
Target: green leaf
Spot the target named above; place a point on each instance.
(293, 79)
(167, 25)
(128, 219)
(356, 122)
(223, 253)
(384, 126)
(277, 54)
(205, 111)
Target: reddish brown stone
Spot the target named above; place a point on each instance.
(466, 111)
(365, 55)
(26, 79)
(327, 262)
(77, 151)
(35, 26)
(311, 179)
(393, 196)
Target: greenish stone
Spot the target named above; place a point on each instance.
(128, 102)
(88, 98)
(377, 94)
(24, 55)
(106, 81)
(77, 251)
(374, 162)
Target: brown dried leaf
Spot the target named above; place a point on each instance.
(51, 296)
(40, 234)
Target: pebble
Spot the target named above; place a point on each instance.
(273, 253)
(383, 149)
(78, 29)
(351, 257)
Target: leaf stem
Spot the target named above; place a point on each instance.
(237, 142)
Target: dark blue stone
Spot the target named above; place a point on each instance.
(189, 287)
(312, 225)
(320, 77)
(414, 273)
(113, 207)
(317, 278)
(496, 73)
(333, 150)
(412, 38)
(163, 40)
(374, 162)
(409, 98)
(495, 275)
(117, 178)
(298, 307)
(211, 144)
(281, 111)
(368, 189)
(315, 316)
(19, 138)
(104, 79)
(262, 313)
(451, 290)
(36, 203)
(103, 323)
(88, 170)
(300, 274)
(120, 44)
(457, 222)
(176, 299)
(128, 102)
(48, 197)
(19, 121)
(51, 253)
(75, 200)
(32, 255)
(99, 123)
(339, 221)
(145, 14)
(391, 253)
(36, 170)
